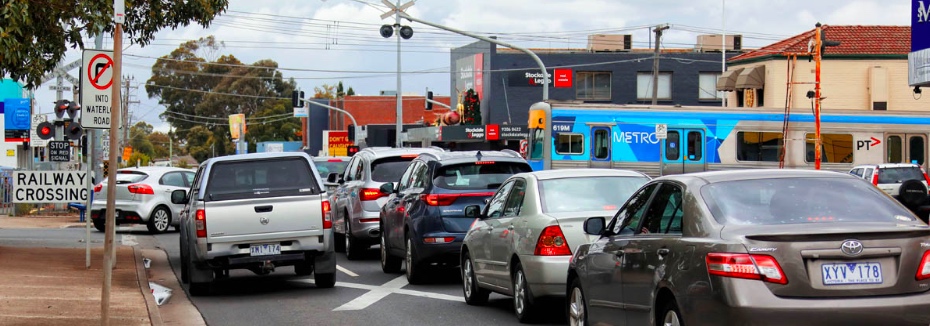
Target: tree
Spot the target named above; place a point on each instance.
(36, 34)
(160, 143)
(324, 91)
(137, 158)
(350, 92)
(200, 143)
(138, 139)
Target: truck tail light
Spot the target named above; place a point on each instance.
(327, 215)
(552, 243)
(754, 267)
(200, 221)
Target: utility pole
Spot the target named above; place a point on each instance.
(400, 102)
(109, 250)
(655, 64)
(127, 118)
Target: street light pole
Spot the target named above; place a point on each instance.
(400, 103)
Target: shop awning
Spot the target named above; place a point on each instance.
(751, 78)
(727, 81)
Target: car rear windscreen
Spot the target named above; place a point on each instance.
(587, 193)
(900, 174)
(260, 178)
(129, 176)
(477, 175)
(801, 200)
(389, 169)
(327, 167)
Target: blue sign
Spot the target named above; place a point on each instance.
(17, 119)
(920, 25)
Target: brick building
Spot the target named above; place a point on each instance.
(371, 110)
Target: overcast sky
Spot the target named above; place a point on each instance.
(327, 41)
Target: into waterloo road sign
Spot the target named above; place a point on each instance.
(49, 186)
(96, 89)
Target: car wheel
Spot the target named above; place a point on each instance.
(324, 280)
(389, 264)
(670, 314)
(197, 289)
(577, 310)
(523, 304)
(304, 268)
(912, 193)
(100, 225)
(412, 264)
(353, 246)
(185, 273)
(160, 220)
(474, 294)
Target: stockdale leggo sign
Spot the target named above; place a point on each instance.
(96, 89)
(49, 186)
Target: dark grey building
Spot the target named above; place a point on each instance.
(509, 81)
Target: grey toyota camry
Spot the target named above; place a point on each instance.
(757, 247)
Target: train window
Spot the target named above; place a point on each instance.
(895, 149)
(569, 144)
(672, 145)
(695, 141)
(759, 146)
(536, 144)
(601, 144)
(592, 85)
(915, 149)
(836, 148)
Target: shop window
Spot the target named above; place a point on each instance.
(644, 86)
(592, 85)
(707, 86)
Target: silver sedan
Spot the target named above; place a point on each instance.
(521, 242)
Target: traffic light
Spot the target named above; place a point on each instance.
(73, 131)
(429, 97)
(45, 130)
(73, 109)
(297, 99)
(61, 106)
(351, 150)
(352, 133)
(84, 146)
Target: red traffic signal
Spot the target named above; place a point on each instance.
(45, 130)
(351, 150)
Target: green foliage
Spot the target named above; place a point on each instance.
(137, 158)
(350, 92)
(160, 142)
(34, 35)
(200, 143)
(183, 164)
(138, 138)
(324, 91)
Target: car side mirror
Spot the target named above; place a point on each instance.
(387, 188)
(179, 196)
(487, 200)
(332, 177)
(340, 179)
(594, 225)
(473, 211)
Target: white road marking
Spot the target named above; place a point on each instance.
(128, 240)
(376, 293)
(344, 270)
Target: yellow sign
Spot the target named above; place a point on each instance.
(236, 124)
(127, 152)
(11, 152)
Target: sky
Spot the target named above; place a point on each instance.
(327, 41)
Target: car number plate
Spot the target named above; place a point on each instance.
(851, 273)
(266, 249)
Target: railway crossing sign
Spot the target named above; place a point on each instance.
(96, 89)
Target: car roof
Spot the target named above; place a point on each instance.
(750, 174)
(330, 158)
(254, 156)
(887, 165)
(154, 169)
(581, 173)
(471, 156)
(379, 152)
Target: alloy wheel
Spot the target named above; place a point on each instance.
(519, 292)
(408, 258)
(467, 277)
(671, 319)
(576, 308)
(383, 252)
(161, 220)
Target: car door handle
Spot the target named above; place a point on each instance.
(490, 229)
(263, 209)
(510, 228)
(662, 251)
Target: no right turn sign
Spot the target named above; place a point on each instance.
(96, 88)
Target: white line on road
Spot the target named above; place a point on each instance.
(376, 293)
(344, 270)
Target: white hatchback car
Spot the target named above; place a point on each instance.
(905, 182)
(143, 196)
(521, 242)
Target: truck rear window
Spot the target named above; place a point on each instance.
(477, 175)
(260, 179)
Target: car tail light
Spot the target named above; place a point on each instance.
(439, 240)
(552, 243)
(327, 215)
(371, 194)
(926, 178)
(98, 187)
(754, 267)
(923, 270)
(409, 155)
(875, 178)
(200, 221)
(141, 189)
(448, 199)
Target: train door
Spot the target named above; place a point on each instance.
(906, 148)
(683, 151)
(600, 147)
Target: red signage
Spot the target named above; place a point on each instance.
(492, 132)
(563, 78)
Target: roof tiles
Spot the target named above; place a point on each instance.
(854, 40)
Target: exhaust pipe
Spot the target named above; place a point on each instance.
(374, 233)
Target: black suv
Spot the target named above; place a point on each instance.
(423, 222)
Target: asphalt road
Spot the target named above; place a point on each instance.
(363, 295)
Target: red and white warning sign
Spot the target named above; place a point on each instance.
(96, 89)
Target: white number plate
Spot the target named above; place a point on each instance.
(266, 249)
(851, 273)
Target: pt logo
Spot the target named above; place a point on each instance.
(923, 12)
(867, 144)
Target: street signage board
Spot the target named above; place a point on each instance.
(96, 89)
(49, 186)
(59, 151)
(661, 131)
(34, 139)
(17, 117)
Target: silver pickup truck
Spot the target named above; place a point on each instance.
(256, 212)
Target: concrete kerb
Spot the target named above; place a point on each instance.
(178, 310)
(151, 305)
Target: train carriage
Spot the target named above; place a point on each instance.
(715, 138)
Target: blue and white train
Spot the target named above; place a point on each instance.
(715, 138)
